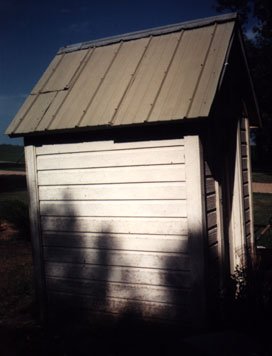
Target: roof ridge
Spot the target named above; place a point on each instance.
(149, 32)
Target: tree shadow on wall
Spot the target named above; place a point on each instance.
(92, 307)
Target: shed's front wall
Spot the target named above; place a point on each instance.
(114, 227)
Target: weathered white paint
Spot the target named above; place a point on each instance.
(249, 190)
(132, 208)
(116, 158)
(129, 191)
(117, 290)
(116, 213)
(141, 259)
(196, 224)
(140, 174)
(126, 275)
(142, 309)
(95, 146)
(131, 242)
(237, 213)
(162, 226)
(30, 158)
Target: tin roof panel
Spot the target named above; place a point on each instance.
(161, 76)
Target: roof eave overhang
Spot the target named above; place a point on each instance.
(97, 128)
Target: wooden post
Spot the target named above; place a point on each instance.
(196, 226)
(34, 214)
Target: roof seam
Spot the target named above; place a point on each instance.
(37, 94)
(75, 77)
(111, 122)
(39, 121)
(201, 71)
(99, 86)
(165, 75)
(50, 75)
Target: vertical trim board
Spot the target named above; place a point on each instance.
(34, 213)
(196, 225)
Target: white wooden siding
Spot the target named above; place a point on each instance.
(128, 191)
(152, 243)
(114, 220)
(213, 242)
(140, 174)
(126, 275)
(246, 181)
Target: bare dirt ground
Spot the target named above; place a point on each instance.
(262, 187)
(17, 173)
(16, 291)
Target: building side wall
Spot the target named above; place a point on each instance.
(114, 226)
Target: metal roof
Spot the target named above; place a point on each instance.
(158, 75)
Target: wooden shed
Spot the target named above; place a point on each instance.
(138, 169)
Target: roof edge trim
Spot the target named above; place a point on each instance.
(150, 32)
(255, 105)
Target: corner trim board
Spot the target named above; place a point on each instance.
(196, 225)
(36, 238)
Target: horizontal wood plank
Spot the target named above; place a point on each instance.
(144, 276)
(152, 243)
(118, 258)
(209, 185)
(245, 189)
(245, 176)
(211, 219)
(212, 236)
(104, 146)
(119, 306)
(169, 190)
(119, 290)
(244, 150)
(161, 208)
(246, 203)
(115, 158)
(243, 137)
(166, 226)
(247, 215)
(211, 202)
(165, 173)
(244, 163)
(248, 228)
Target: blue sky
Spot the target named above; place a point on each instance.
(31, 32)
